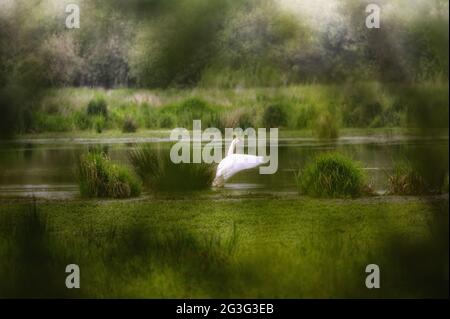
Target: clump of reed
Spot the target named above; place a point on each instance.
(99, 177)
(408, 179)
(332, 175)
(159, 173)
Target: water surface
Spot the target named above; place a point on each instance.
(45, 167)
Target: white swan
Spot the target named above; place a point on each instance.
(234, 163)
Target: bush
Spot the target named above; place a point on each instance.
(52, 123)
(99, 177)
(99, 123)
(97, 106)
(148, 115)
(189, 110)
(274, 116)
(406, 179)
(306, 116)
(332, 175)
(166, 121)
(82, 121)
(237, 118)
(326, 126)
(129, 125)
(159, 173)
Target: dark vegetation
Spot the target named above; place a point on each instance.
(224, 45)
(99, 177)
(160, 174)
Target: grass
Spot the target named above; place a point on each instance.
(324, 109)
(99, 177)
(237, 248)
(332, 175)
(159, 173)
(409, 179)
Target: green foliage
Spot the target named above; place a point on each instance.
(52, 123)
(274, 116)
(98, 106)
(99, 177)
(159, 173)
(241, 117)
(129, 125)
(306, 116)
(406, 178)
(167, 120)
(326, 126)
(99, 123)
(188, 110)
(82, 121)
(332, 175)
(230, 248)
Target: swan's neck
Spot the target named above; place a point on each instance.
(231, 149)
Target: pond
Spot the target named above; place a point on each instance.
(45, 167)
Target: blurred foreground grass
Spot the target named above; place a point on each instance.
(267, 247)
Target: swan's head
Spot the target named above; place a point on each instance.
(237, 141)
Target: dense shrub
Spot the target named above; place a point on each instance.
(159, 173)
(274, 116)
(166, 121)
(409, 179)
(97, 106)
(99, 177)
(306, 117)
(237, 118)
(149, 116)
(82, 121)
(51, 123)
(129, 125)
(326, 126)
(192, 109)
(99, 123)
(332, 175)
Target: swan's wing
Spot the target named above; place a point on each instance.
(239, 162)
(245, 161)
(235, 163)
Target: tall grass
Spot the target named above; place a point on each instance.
(321, 108)
(409, 179)
(99, 177)
(159, 173)
(332, 175)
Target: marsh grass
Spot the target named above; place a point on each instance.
(159, 173)
(266, 248)
(97, 106)
(409, 179)
(30, 265)
(323, 109)
(129, 125)
(332, 175)
(99, 177)
(326, 126)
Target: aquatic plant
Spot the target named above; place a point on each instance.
(331, 175)
(159, 173)
(409, 179)
(97, 106)
(99, 177)
(129, 125)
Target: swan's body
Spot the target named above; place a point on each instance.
(234, 163)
